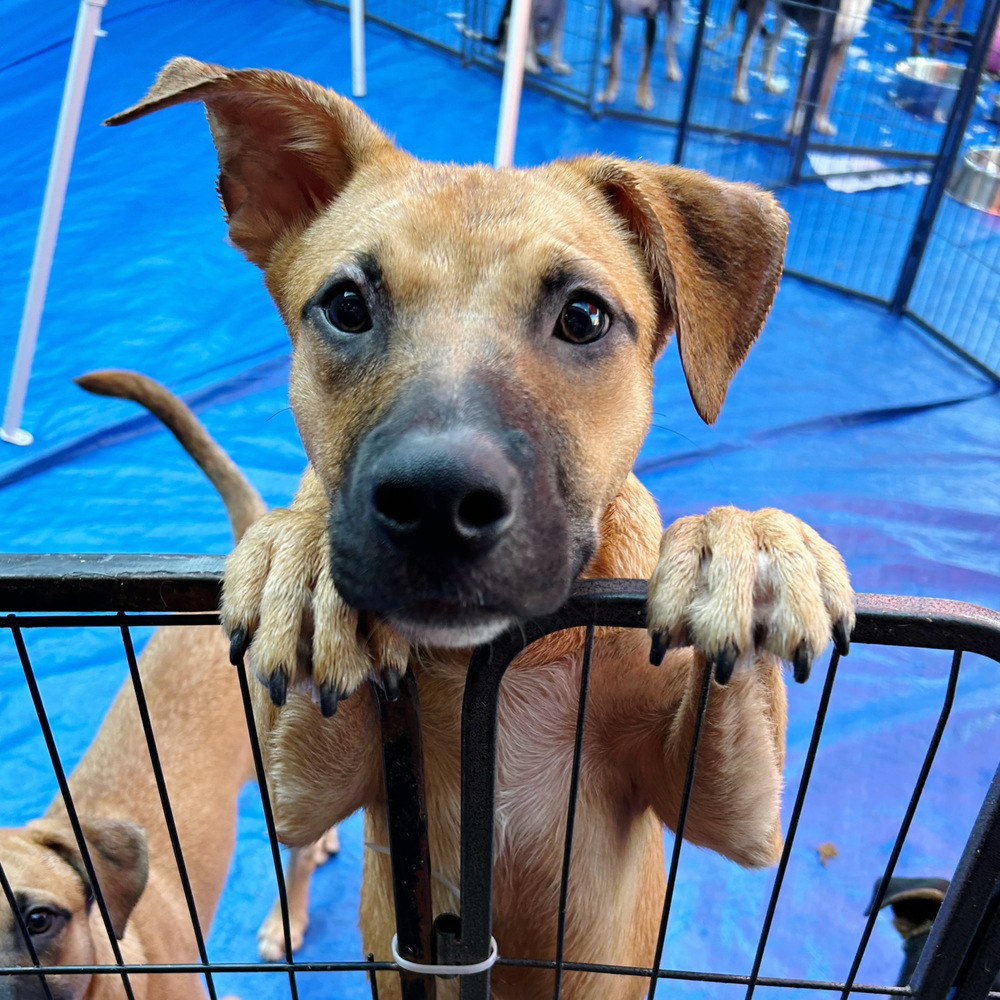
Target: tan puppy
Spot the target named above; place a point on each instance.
(194, 702)
(472, 366)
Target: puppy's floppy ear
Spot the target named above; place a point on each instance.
(713, 250)
(117, 849)
(287, 147)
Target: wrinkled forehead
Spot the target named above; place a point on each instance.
(466, 229)
(31, 867)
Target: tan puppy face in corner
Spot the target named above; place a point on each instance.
(473, 349)
(48, 878)
(54, 903)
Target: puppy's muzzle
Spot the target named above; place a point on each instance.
(452, 495)
(449, 521)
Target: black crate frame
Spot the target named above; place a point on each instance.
(962, 956)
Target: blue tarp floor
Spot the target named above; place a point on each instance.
(859, 423)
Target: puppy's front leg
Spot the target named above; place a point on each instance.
(747, 590)
(280, 603)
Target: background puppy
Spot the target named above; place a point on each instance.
(472, 367)
(195, 706)
(650, 11)
(545, 26)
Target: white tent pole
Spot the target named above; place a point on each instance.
(88, 23)
(359, 86)
(513, 77)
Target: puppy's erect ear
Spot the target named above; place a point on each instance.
(287, 147)
(117, 849)
(714, 251)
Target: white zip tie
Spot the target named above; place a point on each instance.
(445, 970)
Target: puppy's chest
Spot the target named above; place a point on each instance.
(535, 738)
(536, 730)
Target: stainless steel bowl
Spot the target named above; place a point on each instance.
(927, 87)
(976, 180)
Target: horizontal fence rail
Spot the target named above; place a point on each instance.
(121, 592)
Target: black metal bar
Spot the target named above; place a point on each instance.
(67, 797)
(22, 928)
(372, 978)
(272, 834)
(168, 812)
(574, 788)
(675, 854)
(700, 976)
(948, 152)
(793, 821)
(110, 582)
(98, 620)
(934, 623)
(904, 826)
(195, 968)
(972, 887)
(691, 82)
(479, 756)
(406, 812)
(982, 964)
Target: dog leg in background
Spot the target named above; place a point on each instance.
(643, 93)
(675, 24)
(302, 862)
(821, 120)
(754, 16)
(917, 25)
(555, 59)
(610, 92)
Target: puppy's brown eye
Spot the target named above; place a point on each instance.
(346, 310)
(582, 322)
(39, 920)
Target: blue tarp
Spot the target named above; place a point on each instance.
(855, 421)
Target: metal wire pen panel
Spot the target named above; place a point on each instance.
(115, 595)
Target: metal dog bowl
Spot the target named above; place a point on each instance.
(976, 180)
(927, 87)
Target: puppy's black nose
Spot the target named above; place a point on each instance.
(451, 494)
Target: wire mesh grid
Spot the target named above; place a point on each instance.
(882, 621)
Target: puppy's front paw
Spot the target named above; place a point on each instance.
(736, 583)
(280, 605)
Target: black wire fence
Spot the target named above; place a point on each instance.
(962, 956)
(861, 115)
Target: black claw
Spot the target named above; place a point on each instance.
(724, 661)
(659, 647)
(802, 662)
(238, 643)
(277, 686)
(841, 640)
(329, 695)
(390, 682)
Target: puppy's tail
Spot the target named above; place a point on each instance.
(243, 503)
